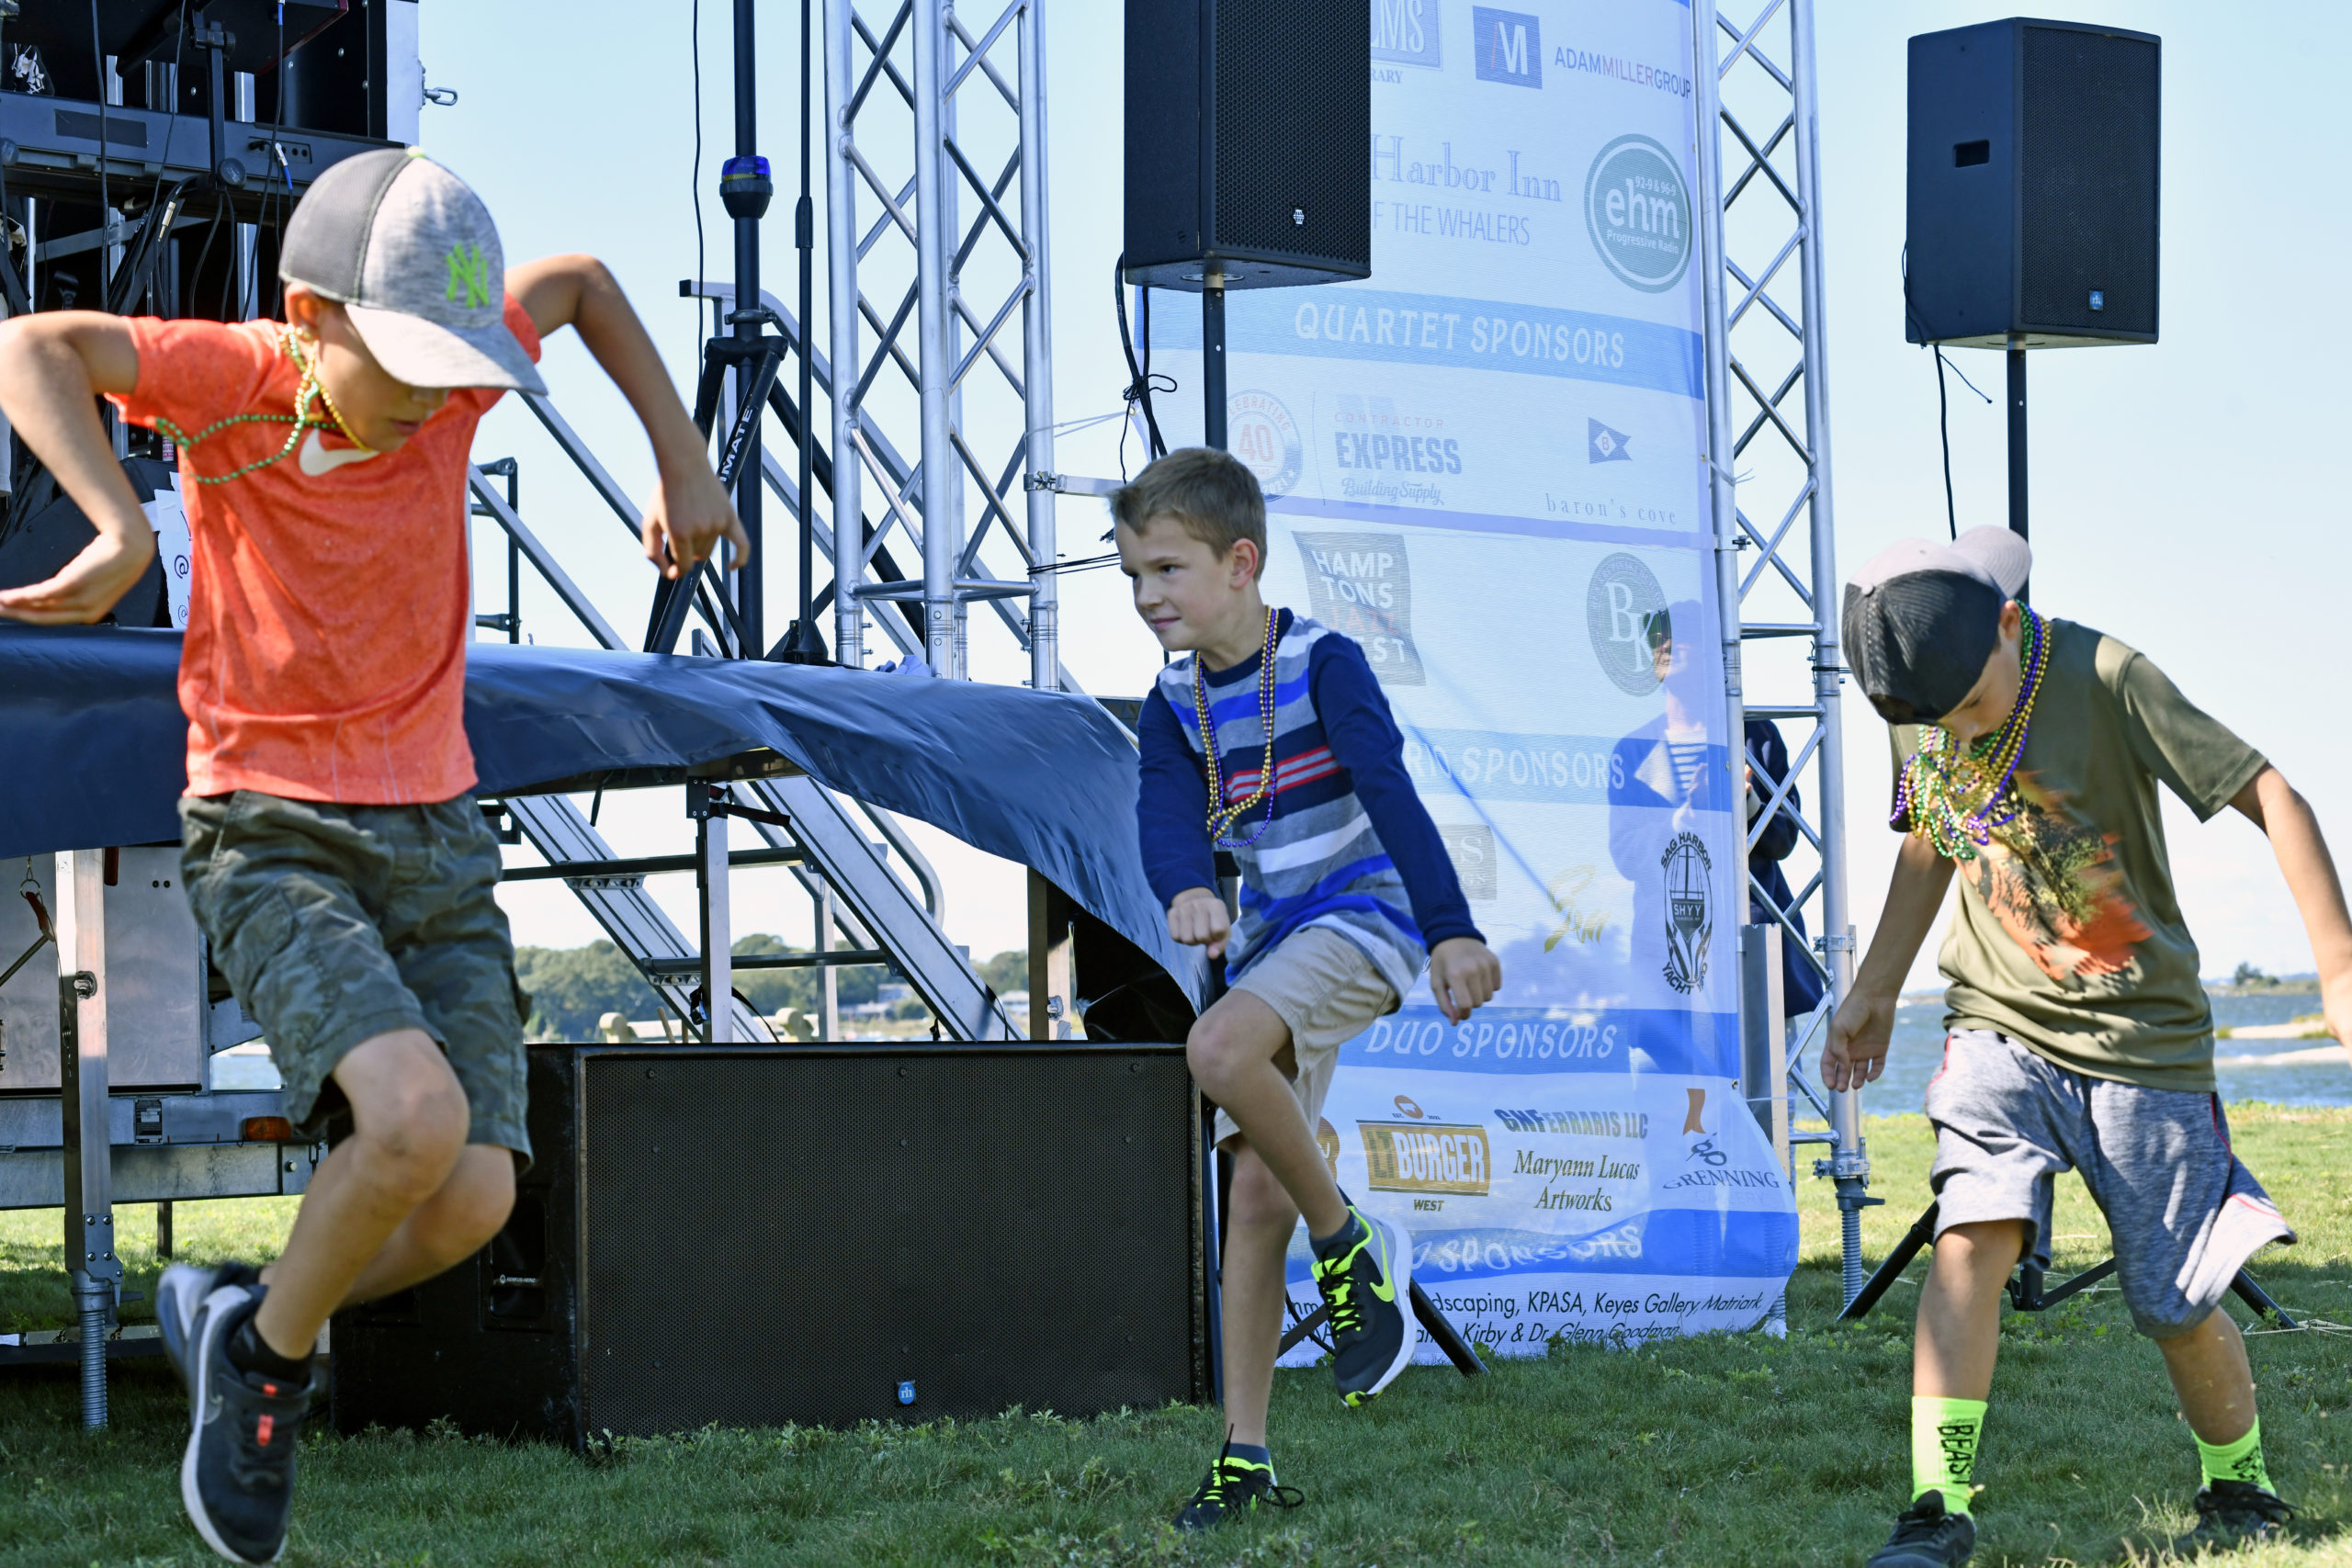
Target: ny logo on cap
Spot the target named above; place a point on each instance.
(469, 275)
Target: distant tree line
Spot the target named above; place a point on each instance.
(572, 988)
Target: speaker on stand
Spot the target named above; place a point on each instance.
(1247, 125)
(2030, 212)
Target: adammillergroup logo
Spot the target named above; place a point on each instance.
(1425, 1157)
(1506, 46)
(1638, 211)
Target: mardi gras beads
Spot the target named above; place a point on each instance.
(1222, 817)
(1954, 798)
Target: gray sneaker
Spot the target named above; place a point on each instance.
(237, 1477)
(1366, 1279)
(1927, 1536)
(179, 1295)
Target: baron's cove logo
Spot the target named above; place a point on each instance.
(1620, 606)
(1689, 912)
(1404, 32)
(1638, 210)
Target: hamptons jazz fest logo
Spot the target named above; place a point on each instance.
(1362, 584)
(1638, 211)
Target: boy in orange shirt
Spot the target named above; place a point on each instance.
(334, 856)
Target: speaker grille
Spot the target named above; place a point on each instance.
(783, 1237)
(2089, 182)
(1294, 127)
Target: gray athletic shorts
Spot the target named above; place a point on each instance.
(2184, 1215)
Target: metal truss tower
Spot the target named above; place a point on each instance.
(939, 331)
(1768, 392)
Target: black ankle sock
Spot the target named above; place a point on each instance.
(249, 1352)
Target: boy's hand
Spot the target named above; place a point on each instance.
(1198, 919)
(1856, 1051)
(1464, 975)
(690, 514)
(87, 586)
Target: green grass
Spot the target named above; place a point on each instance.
(1703, 1451)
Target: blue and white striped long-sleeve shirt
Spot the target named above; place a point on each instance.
(1350, 846)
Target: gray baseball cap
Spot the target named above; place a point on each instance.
(410, 252)
(1922, 617)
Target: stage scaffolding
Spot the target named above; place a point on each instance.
(1767, 407)
(936, 213)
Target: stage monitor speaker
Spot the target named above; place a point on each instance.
(814, 1234)
(2030, 208)
(1248, 129)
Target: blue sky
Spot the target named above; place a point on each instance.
(2181, 497)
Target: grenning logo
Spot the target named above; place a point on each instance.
(1506, 46)
(1404, 32)
(1690, 911)
(1259, 431)
(1619, 606)
(1638, 211)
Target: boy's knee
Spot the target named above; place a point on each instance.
(1985, 1242)
(418, 1133)
(1216, 1047)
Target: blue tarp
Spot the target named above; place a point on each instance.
(97, 748)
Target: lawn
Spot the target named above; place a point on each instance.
(1705, 1451)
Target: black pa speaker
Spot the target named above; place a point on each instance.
(1248, 125)
(2031, 197)
(815, 1233)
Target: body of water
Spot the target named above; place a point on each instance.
(1919, 1046)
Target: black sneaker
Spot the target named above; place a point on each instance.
(2232, 1513)
(179, 1295)
(1235, 1486)
(1366, 1284)
(1925, 1536)
(237, 1479)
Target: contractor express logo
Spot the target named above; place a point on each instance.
(1404, 32)
(1618, 606)
(1506, 46)
(1638, 211)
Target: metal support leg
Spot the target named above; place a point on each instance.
(718, 935)
(91, 1264)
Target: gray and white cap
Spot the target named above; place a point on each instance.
(409, 252)
(1922, 617)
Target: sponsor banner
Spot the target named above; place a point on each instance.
(1486, 464)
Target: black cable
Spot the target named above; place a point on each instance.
(1139, 386)
(695, 188)
(1943, 417)
(106, 209)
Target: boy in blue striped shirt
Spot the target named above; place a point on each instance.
(1273, 741)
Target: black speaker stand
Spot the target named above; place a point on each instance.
(2026, 1290)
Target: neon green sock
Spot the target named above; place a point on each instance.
(1944, 1434)
(2241, 1460)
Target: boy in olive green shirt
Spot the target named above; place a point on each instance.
(2079, 1034)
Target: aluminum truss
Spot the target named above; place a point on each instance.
(926, 296)
(1769, 436)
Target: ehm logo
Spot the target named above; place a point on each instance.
(1638, 211)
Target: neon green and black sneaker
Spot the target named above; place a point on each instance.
(1365, 1277)
(1235, 1485)
(2233, 1513)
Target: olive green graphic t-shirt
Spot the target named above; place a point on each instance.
(2068, 938)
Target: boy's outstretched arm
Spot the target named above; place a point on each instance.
(53, 367)
(1856, 1051)
(2270, 803)
(690, 511)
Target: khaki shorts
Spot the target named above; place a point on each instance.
(338, 924)
(1327, 991)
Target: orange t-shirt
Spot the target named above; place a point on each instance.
(331, 596)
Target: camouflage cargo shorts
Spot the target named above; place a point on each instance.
(338, 923)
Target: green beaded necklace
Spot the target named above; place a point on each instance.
(291, 344)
